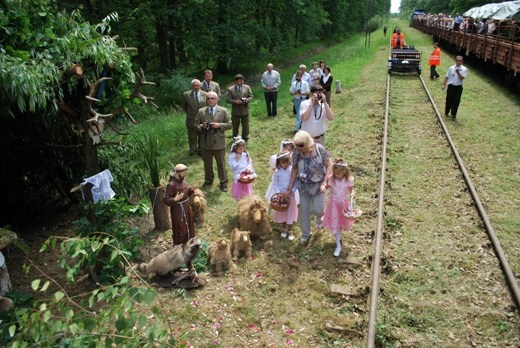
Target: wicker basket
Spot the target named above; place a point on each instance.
(247, 176)
(245, 179)
(353, 214)
(279, 202)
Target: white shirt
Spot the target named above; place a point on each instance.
(302, 86)
(238, 167)
(453, 78)
(316, 125)
(282, 179)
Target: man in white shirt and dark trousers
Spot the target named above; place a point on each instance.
(314, 113)
(454, 78)
(270, 82)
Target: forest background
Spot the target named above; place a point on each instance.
(42, 156)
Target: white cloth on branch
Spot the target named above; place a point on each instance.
(101, 189)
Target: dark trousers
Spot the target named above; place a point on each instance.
(236, 120)
(433, 72)
(271, 99)
(453, 95)
(220, 158)
(194, 140)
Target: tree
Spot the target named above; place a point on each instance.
(58, 74)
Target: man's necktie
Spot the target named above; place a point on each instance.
(195, 96)
(211, 112)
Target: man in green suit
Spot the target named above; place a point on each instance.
(239, 96)
(213, 121)
(192, 101)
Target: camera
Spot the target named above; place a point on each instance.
(320, 96)
(244, 100)
(299, 91)
(208, 125)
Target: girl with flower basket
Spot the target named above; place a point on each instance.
(241, 165)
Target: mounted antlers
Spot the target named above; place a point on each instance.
(137, 91)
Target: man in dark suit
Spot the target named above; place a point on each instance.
(213, 121)
(239, 95)
(192, 101)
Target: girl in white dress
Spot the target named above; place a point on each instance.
(280, 183)
(239, 162)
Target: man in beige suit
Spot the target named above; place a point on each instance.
(239, 95)
(208, 85)
(192, 101)
(213, 121)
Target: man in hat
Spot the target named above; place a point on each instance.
(176, 197)
(239, 96)
(315, 112)
(213, 121)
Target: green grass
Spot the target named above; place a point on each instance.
(430, 247)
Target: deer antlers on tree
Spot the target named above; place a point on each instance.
(96, 119)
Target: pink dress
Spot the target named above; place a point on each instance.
(334, 219)
(281, 181)
(238, 189)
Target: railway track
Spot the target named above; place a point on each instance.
(439, 213)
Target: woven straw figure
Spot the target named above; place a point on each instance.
(252, 216)
(219, 256)
(241, 244)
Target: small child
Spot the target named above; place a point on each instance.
(239, 162)
(280, 184)
(286, 144)
(341, 183)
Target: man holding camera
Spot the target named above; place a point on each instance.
(315, 112)
(300, 91)
(213, 121)
(239, 96)
(454, 77)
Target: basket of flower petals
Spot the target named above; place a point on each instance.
(279, 202)
(247, 176)
(352, 214)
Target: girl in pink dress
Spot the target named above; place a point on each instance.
(280, 184)
(239, 163)
(340, 183)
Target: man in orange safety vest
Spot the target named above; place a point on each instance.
(398, 39)
(435, 61)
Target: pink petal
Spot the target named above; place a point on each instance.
(290, 331)
(289, 342)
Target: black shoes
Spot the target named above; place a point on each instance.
(207, 184)
(223, 187)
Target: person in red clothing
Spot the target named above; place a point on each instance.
(398, 39)
(435, 61)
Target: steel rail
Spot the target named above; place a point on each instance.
(499, 251)
(376, 268)
(378, 239)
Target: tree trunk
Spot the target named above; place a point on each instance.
(161, 212)
(162, 41)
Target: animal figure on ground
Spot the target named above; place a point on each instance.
(241, 244)
(253, 217)
(219, 256)
(173, 259)
(198, 206)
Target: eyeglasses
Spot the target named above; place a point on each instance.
(210, 98)
(300, 145)
(459, 60)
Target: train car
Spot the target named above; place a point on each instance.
(488, 33)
